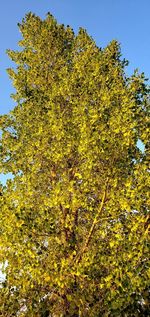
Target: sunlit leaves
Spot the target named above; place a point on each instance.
(74, 218)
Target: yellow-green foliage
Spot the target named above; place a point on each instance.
(74, 218)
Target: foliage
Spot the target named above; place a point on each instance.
(74, 218)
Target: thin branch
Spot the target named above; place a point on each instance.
(95, 221)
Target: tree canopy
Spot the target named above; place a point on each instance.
(74, 217)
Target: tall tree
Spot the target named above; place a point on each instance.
(74, 217)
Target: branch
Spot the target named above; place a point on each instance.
(95, 221)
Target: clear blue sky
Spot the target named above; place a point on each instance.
(128, 21)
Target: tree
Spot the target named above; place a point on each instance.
(74, 217)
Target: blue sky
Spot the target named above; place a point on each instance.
(127, 21)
